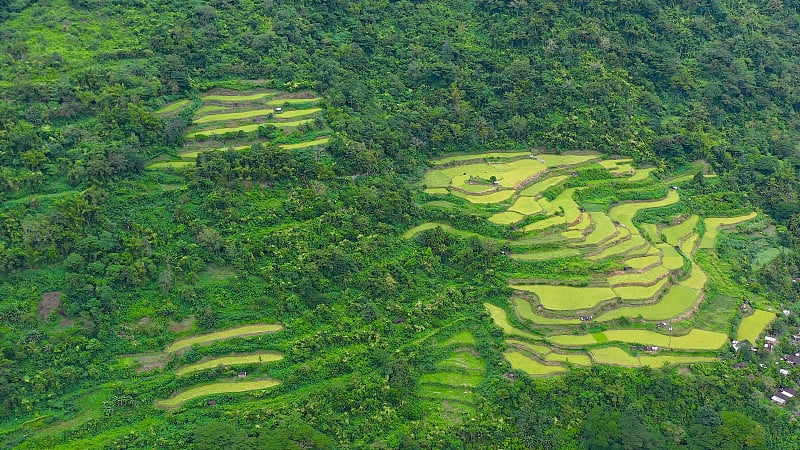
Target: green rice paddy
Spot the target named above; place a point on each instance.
(236, 98)
(713, 225)
(306, 144)
(500, 318)
(625, 212)
(674, 234)
(255, 113)
(619, 357)
(463, 338)
(641, 174)
(520, 361)
(694, 340)
(753, 325)
(171, 165)
(538, 350)
(526, 205)
(247, 128)
(478, 156)
(229, 361)
(562, 298)
(462, 361)
(567, 159)
(525, 312)
(640, 262)
(576, 359)
(172, 108)
(646, 278)
(541, 186)
(203, 339)
(292, 101)
(676, 301)
(452, 379)
(630, 293)
(506, 218)
(221, 387)
(546, 255)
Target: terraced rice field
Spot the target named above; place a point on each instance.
(172, 108)
(463, 338)
(520, 361)
(205, 339)
(171, 165)
(306, 144)
(478, 156)
(626, 274)
(694, 340)
(674, 234)
(221, 387)
(257, 358)
(247, 128)
(562, 298)
(619, 357)
(255, 113)
(233, 98)
(713, 225)
(753, 325)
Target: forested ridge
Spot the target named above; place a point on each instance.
(311, 238)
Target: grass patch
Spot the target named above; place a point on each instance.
(713, 225)
(562, 298)
(753, 325)
(451, 379)
(545, 255)
(675, 302)
(247, 330)
(221, 387)
(500, 318)
(229, 361)
(520, 361)
(439, 392)
(463, 338)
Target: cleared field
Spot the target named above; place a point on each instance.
(640, 262)
(697, 279)
(236, 98)
(247, 330)
(437, 191)
(494, 197)
(567, 159)
(641, 174)
(640, 292)
(500, 318)
(292, 101)
(753, 325)
(506, 218)
(525, 312)
(477, 156)
(451, 379)
(694, 340)
(545, 255)
(173, 107)
(713, 225)
(647, 278)
(619, 357)
(562, 298)
(577, 359)
(526, 205)
(604, 229)
(533, 348)
(625, 212)
(674, 234)
(440, 392)
(462, 361)
(675, 302)
(541, 186)
(230, 361)
(247, 128)
(463, 338)
(306, 144)
(171, 165)
(530, 366)
(255, 113)
(222, 387)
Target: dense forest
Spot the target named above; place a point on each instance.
(312, 238)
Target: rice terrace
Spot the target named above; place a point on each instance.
(606, 261)
(227, 119)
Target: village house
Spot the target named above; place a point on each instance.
(792, 359)
(769, 342)
(782, 395)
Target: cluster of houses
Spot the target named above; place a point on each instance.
(782, 395)
(587, 318)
